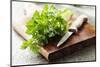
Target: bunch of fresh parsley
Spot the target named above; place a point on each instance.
(44, 25)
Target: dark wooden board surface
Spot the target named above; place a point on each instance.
(84, 37)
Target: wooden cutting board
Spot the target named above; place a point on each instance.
(84, 37)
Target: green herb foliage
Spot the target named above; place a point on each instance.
(44, 25)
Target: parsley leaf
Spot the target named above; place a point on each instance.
(42, 26)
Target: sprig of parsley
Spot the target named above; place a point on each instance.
(44, 25)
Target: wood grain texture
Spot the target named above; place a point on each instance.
(84, 37)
